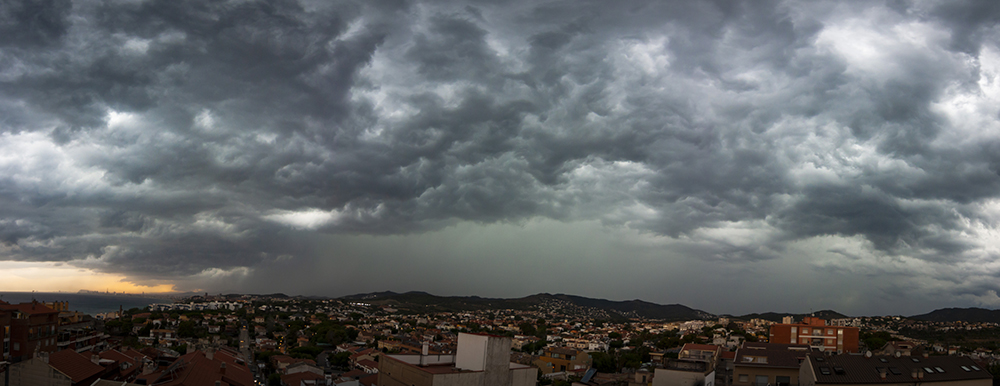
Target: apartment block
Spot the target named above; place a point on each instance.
(815, 333)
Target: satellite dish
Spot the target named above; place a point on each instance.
(868, 354)
(898, 354)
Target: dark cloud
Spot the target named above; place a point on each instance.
(182, 138)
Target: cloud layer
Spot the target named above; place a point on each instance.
(184, 140)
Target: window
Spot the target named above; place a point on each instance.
(824, 370)
(761, 380)
(928, 370)
(940, 370)
(744, 378)
(976, 368)
(829, 331)
(966, 368)
(17, 346)
(805, 330)
(895, 371)
(782, 381)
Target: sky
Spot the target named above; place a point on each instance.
(731, 156)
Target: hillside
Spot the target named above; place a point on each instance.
(571, 304)
(972, 315)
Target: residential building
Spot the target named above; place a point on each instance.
(762, 364)
(815, 333)
(202, 367)
(557, 359)
(479, 359)
(62, 368)
(5, 317)
(904, 348)
(33, 328)
(859, 370)
(694, 366)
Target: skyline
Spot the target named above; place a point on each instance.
(739, 156)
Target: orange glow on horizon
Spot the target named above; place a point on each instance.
(19, 276)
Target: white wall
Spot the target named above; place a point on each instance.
(471, 352)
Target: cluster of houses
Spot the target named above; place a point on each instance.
(254, 341)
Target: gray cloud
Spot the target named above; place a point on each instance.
(168, 139)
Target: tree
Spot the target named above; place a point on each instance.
(603, 362)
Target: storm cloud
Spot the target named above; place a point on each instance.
(189, 141)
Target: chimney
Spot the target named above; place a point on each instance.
(423, 354)
(925, 354)
(210, 353)
(222, 368)
(882, 374)
(913, 373)
(96, 359)
(920, 374)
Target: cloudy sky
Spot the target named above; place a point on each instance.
(730, 156)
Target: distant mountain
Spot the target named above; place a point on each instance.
(596, 308)
(776, 317)
(972, 315)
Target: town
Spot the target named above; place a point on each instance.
(277, 340)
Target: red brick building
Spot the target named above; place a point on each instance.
(815, 333)
(33, 326)
(4, 334)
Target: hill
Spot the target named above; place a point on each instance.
(972, 315)
(422, 302)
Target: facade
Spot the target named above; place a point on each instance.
(480, 360)
(848, 370)
(33, 327)
(694, 366)
(815, 333)
(761, 364)
(5, 334)
(556, 359)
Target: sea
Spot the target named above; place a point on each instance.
(88, 303)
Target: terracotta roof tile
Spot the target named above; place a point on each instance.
(76, 366)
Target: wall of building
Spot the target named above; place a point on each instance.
(458, 379)
(753, 371)
(36, 372)
(471, 352)
(524, 377)
(497, 367)
(664, 377)
(395, 373)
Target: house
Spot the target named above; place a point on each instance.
(557, 359)
(202, 367)
(815, 333)
(61, 368)
(865, 370)
(768, 364)
(126, 364)
(479, 359)
(904, 348)
(694, 366)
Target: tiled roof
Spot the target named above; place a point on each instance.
(77, 367)
(195, 369)
(29, 308)
(858, 369)
(297, 378)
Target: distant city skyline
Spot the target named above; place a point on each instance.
(732, 156)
